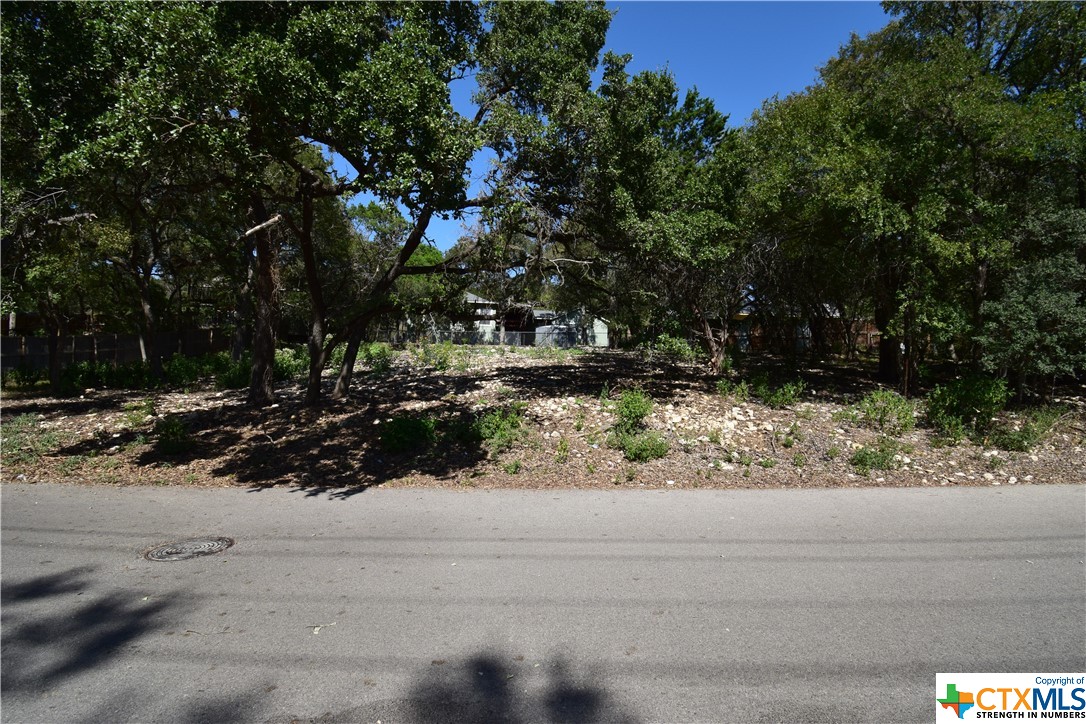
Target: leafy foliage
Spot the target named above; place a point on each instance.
(967, 404)
(402, 434)
(887, 412)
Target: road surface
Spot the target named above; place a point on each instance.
(428, 605)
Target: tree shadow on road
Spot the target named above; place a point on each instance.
(45, 643)
(491, 687)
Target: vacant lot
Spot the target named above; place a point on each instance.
(486, 418)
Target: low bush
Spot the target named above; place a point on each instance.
(24, 376)
(888, 412)
(782, 396)
(436, 356)
(674, 347)
(290, 363)
(639, 447)
(377, 356)
(235, 375)
(969, 404)
(408, 434)
(631, 410)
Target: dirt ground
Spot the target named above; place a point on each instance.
(108, 437)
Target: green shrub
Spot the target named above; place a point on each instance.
(290, 363)
(181, 371)
(674, 347)
(740, 391)
(235, 375)
(639, 447)
(436, 356)
(499, 429)
(888, 412)
(405, 434)
(102, 375)
(971, 403)
(512, 468)
(783, 396)
(137, 413)
(24, 376)
(632, 409)
(377, 356)
(172, 435)
(880, 456)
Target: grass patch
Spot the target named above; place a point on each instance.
(23, 440)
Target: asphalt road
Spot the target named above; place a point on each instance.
(746, 606)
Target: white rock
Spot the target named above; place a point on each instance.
(1012, 480)
(989, 476)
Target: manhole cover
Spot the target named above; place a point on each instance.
(186, 549)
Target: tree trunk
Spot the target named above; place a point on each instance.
(316, 302)
(346, 372)
(261, 390)
(243, 308)
(148, 327)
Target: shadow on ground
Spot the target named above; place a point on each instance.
(56, 627)
(489, 686)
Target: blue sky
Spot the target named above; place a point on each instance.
(737, 53)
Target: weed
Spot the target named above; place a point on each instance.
(137, 413)
(883, 455)
(403, 434)
(631, 473)
(714, 437)
(799, 460)
(589, 467)
(512, 468)
(499, 429)
(849, 415)
(562, 455)
(745, 459)
(23, 440)
(673, 347)
(807, 412)
(995, 462)
(788, 442)
(746, 472)
(172, 435)
(833, 453)
(739, 391)
(71, 463)
(1028, 433)
(768, 463)
(578, 423)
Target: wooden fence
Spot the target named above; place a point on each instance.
(33, 352)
